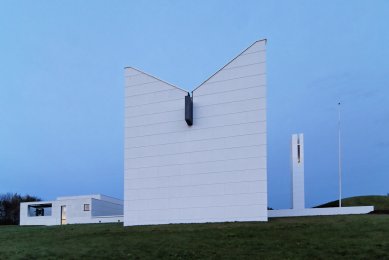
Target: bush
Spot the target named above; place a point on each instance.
(10, 207)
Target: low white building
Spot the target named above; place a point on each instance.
(72, 210)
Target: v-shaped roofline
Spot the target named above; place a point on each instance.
(154, 77)
(130, 67)
(228, 63)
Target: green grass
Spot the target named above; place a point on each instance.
(379, 202)
(353, 237)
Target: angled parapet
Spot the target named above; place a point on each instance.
(147, 98)
(297, 160)
(245, 71)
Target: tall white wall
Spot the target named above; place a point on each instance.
(297, 158)
(214, 170)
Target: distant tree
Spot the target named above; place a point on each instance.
(10, 207)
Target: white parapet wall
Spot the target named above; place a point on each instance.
(319, 211)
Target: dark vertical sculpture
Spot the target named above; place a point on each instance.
(189, 110)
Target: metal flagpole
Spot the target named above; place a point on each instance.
(340, 159)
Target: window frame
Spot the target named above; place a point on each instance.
(86, 207)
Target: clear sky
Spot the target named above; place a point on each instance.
(62, 86)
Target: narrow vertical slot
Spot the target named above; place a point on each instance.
(298, 150)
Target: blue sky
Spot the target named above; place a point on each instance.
(62, 86)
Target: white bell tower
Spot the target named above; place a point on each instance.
(297, 154)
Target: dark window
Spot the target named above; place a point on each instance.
(39, 210)
(86, 207)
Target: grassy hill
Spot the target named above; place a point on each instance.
(357, 236)
(380, 203)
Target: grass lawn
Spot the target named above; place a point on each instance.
(357, 236)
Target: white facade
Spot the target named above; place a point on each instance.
(72, 210)
(212, 171)
(297, 159)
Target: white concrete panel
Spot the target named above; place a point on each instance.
(154, 120)
(147, 141)
(239, 72)
(196, 202)
(200, 133)
(246, 60)
(203, 167)
(231, 85)
(214, 189)
(197, 179)
(197, 156)
(230, 107)
(145, 89)
(201, 111)
(238, 165)
(130, 164)
(232, 96)
(195, 134)
(148, 98)
(259, 46)
(155, 108)
(139, 80)
(154, 98)
(195, 146)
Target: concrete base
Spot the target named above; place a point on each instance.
(107, 219)
(319, 211)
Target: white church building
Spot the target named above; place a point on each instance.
(199, 156)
